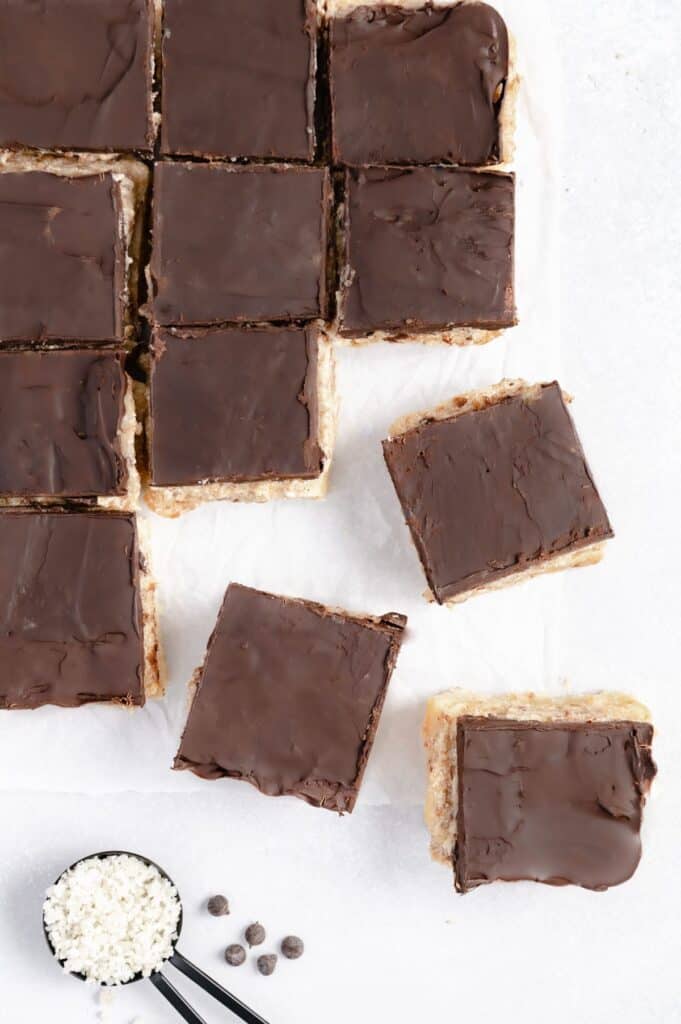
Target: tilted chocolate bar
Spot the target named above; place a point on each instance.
(419, 86)
(289, 697)
(78, 622)
(70, 235)
(239, 80)
(67, 427)
(76, 74)
(234, 243)
(427, 254)
(240, 414)
(495, 486)
(534, 788)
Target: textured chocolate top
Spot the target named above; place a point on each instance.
(420, 86)
(489, 492)
(234, 405)
(70, 611)
(239, 80)
(76, 74)
(556, 802)
(62, 258)
(427, 248)
(60, 415)
(238, 243)
(289, 697)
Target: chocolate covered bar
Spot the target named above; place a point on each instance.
(76, 74)
(77, 622)
(242, 414)
(416, 84)
(289, 697)
(495, 487)
(522, 787)
(67, 427)
(235, 243)
(239, 79)
(70, 235)
(426, 255)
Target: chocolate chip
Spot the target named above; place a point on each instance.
(235, 955)
(292, 947)
(218, 906)
(255, 934)
(266, 964)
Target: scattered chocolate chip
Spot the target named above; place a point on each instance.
(292, 947)
(266, 964)
(255, 935)
(235, 955)
(218, 906)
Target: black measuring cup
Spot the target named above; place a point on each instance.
(180, 962)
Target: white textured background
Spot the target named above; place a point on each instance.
(388, 940)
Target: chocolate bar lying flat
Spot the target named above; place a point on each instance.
(67, 425)
(77, 623)
(427, 249)
(540, 789)
(239, 79)
(76, 74)
(289, 697)
(234, 243)
(417, 86)
(494, 485)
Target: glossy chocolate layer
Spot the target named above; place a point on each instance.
(427, 248)
(238, 243)
(70, 612)
(62, 258)
(76, 74)
(60, 416)
(289, 697)
(490, 492)
(238, 81)
(234, 405)
(550, 802)
(420, 86)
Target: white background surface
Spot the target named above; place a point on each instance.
(388, 940)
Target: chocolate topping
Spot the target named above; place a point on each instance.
(489, 492)
(60, 416)
(235, 405)
(289, 697)
(70, 611)
(238, 243)
(62, 258)
(556, 802)
(427, 248)
(420, 86)
(75, 74)
(239, 81)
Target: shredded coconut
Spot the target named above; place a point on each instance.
(110, 918)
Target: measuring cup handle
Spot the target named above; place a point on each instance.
(205, 982)
(177, 1001)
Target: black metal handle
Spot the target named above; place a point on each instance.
(175, 999)
(196, 975)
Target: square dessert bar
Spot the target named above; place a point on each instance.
(77, 616)
(543, 789)
(416, 84)
(494, 487)
(239, 78)
(427, 254)
(289, 697)
(77, 74)
(242, 414)
(235, 243)
(70, 236)
(67, 427)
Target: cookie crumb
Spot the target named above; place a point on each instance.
(267, 963)
(255, 934)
